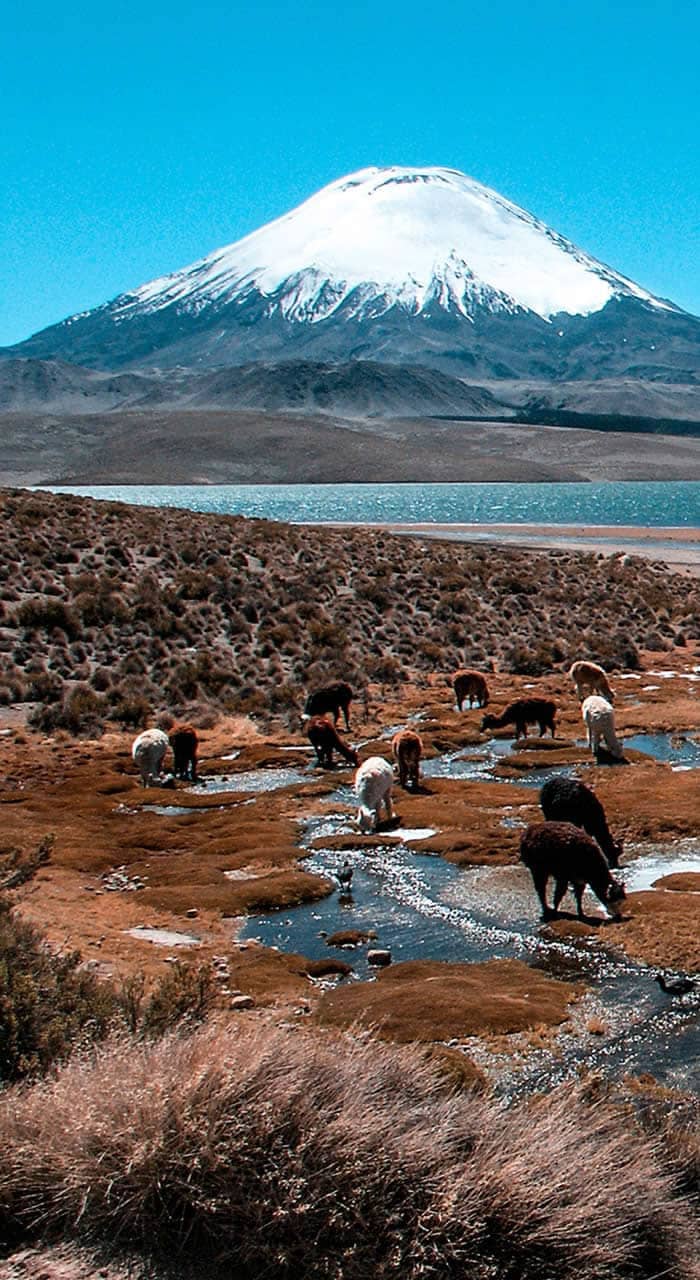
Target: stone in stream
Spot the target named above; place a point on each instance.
(379, 957)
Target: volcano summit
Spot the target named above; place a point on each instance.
(399, 265)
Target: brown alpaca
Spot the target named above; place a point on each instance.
(184, 741)
(331, 700)
(325, 739)
(566, 852)
(525, 711)
(568, 800)
(407, 749)
(590, 678)
(471, 685)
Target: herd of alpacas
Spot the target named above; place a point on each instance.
(572, 846)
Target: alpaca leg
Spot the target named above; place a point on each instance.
(540, 879)
(560, 889)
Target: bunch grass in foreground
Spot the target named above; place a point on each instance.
(258, 1151)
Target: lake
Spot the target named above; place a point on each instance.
(655, 504)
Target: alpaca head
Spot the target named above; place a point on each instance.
(615, 897)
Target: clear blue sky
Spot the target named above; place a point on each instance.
(138, 137)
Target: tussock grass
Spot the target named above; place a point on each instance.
(170, 609)
(268, 1152)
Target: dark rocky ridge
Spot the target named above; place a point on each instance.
(626, 338)
(356, 388)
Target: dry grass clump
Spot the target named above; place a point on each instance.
(50, 1004)
(269, 1152)
(242, 616)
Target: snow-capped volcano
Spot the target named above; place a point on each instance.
(395, 265)
(397, 237)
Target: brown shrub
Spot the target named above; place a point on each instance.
(265, 1152)
(47, 615)
(81, 711)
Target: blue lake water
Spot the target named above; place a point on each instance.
(651, 503)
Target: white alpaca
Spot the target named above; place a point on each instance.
(148, 752)
(599, 719)
(590, 678)
(373, 789)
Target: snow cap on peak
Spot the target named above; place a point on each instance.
(397, 237)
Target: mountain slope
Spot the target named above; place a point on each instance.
(419, 266)
(358, 388)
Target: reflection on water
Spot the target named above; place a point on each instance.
(250, 780)
(479, 763)
(641, 873)
(678, 750)
(627, 502)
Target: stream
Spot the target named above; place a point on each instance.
(422, 907)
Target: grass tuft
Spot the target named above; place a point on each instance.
(272, 1152)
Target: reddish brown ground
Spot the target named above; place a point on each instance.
(86, 793)
(428, 1000)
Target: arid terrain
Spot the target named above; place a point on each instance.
(112, 617)
(121, 614)
(251, 447)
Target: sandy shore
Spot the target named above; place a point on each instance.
(679, 547)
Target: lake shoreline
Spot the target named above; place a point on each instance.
(677, 546)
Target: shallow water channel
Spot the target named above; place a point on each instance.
(422, 907)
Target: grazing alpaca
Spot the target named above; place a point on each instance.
(407, 749)
(471, 685)
(599, 719)
(572, 857)
(148, 752)
(325, 739)
(568, 800)
(525, 711)
(373, 782)
(590, 678)
(184, 742)
(333, 699)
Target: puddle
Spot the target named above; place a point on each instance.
(257, 780)
(479, 763)
(681, 751)
(166, 810)
(163, 937)
(675, 675)
(641, 873)
(407, 834)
